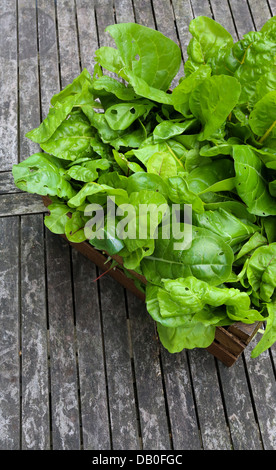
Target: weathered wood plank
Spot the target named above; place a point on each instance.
(124, 425)
(144, 13)
(29, 101)
(243, 427)
(67, 41)
(259, 12)
(35, 380)
(48, 53)
(242, 17)
(165, 23)
(272, 4)
(261, 375)
(87, 33)
(183, 16)
(8, 85)
(62, 346)
(9, 338)
(105, 17)
(93, 397)
(181, 405)
(150, 392)
(20, 204)
(55, 45)
(223, 15)
(201, 8)
(124, 11)
(212, 421)
(7, 183)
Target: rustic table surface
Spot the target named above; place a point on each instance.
(80, 364)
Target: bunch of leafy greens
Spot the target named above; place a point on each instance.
(209, 142)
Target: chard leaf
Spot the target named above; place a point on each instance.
(210, 41)
(57, 220)
(58, 113)
(122, 115)
(194, 335)
(168, 129)
(251, 184)
(212, 101)
(269, 336)
(150, 181)
(231, 229)
(90, 189)
(181, 94)
(87, 171)
(180, 193)
(104, 86)
(162, 164)
(262, 119)
(147, 53)
(73, 88)
(41, 174)
(261, 271)
(254, 242)
(71, 140)
(74, 228)
(209, 259)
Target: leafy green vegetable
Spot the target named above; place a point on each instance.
(138, 149)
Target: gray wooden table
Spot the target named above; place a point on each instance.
(80, 364)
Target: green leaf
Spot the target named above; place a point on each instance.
(90, 189)
(168, 129)
(212, 101)
(254, 242)
(42, 174)
(261, 271)
(209, 259)
(57, 220)
(73, 88)
(150, 181)
(74, 228)
(251, 184)
(269, 336)
(87, 171)
(72, 139)
(180, 193)
(231, 229)
(147, 53)
(181, 94)
(262, 119)
(104, 86)
(121, 116)
(58, 113)
(162, 164)
(209, 40)
(196, 335)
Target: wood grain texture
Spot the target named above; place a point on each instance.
(62, 346)
(91, 357)
(121, 394)
(180, 397)
(34, 337)
(7, 183)
(10, 333)
(9, 85)
(211, 414)
(20, 203)
(29, 100)
(150, 391)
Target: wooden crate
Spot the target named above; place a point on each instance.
(229, 342)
